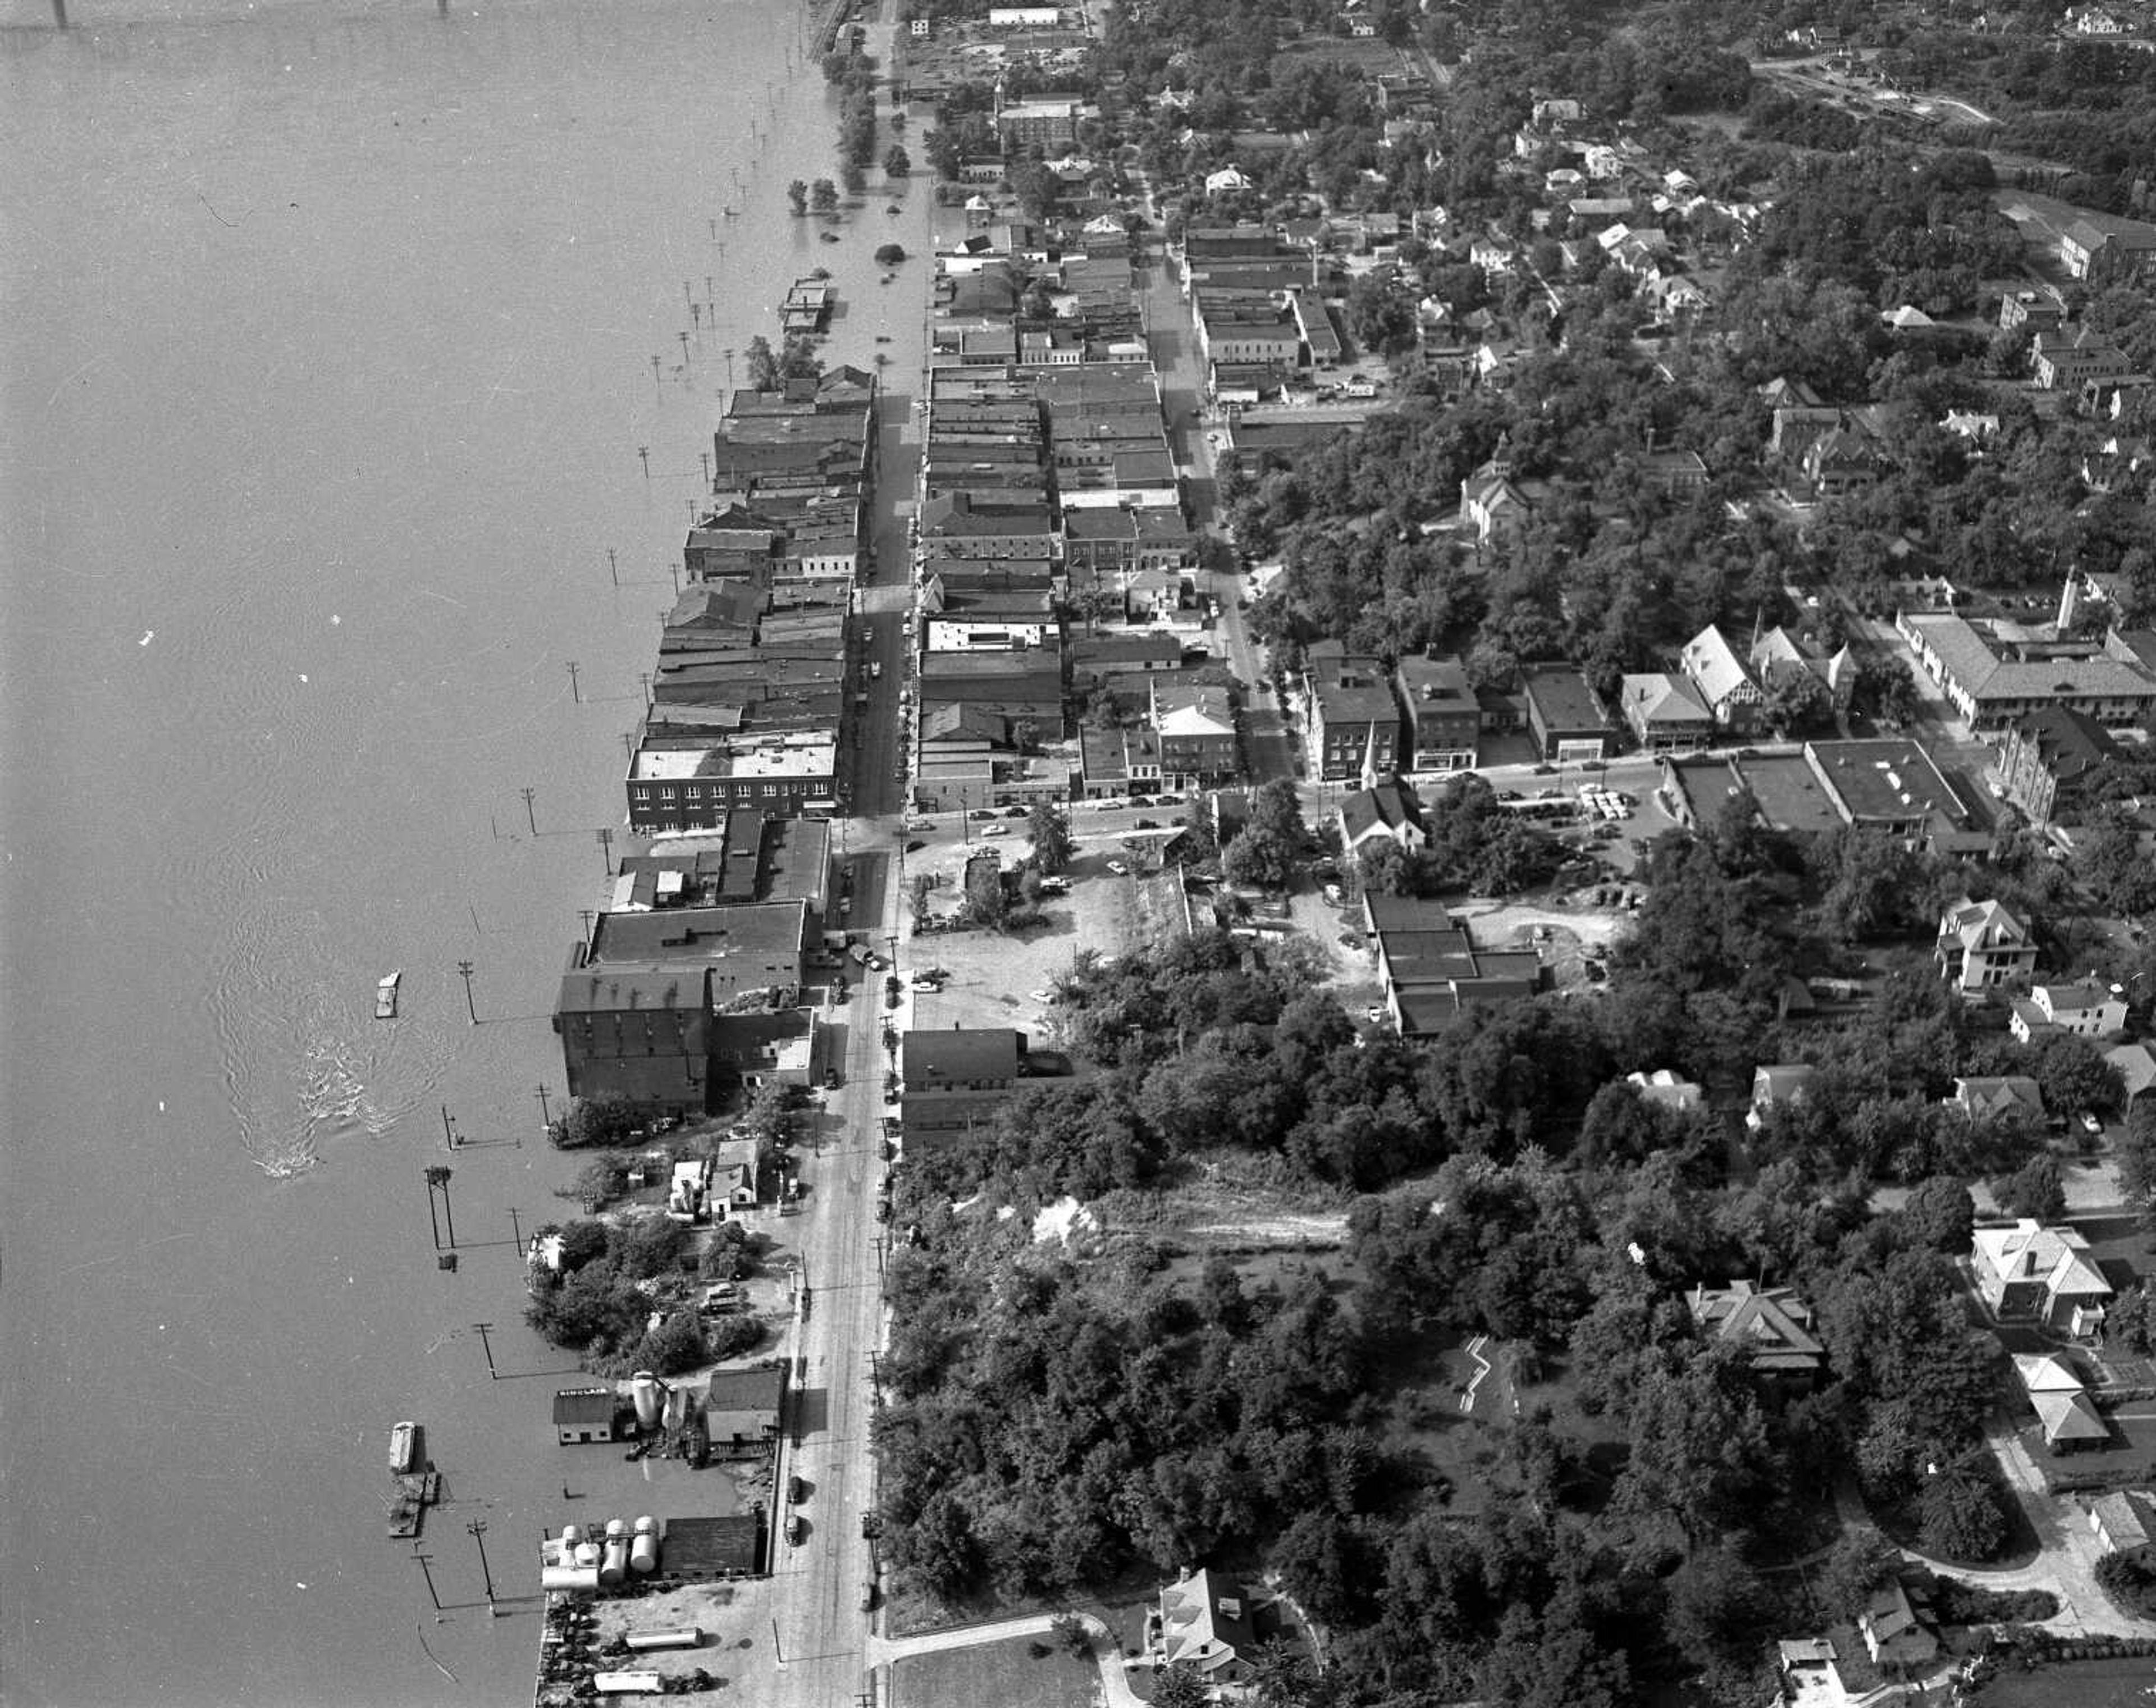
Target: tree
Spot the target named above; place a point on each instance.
(1859, 1562)
(1257, 856)
(823, 195)
(1051, 829)
(602, 1119)
(676, 1345)
(762, 364)
(1180, 1686)
(582, 1243)
(890, 254)
(1959, 1516)
(2034, 1189)
(2072, 1073)
(897, 163)
(1939, 1216)
(796, 193)
(1720, 1611)
(2137, 1160)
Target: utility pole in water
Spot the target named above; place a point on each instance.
(478, 1529)
(530, 817)
(487, 1346)
(464, 972)
(423, 1561)
(574, 693)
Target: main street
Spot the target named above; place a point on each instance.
(820, 1587)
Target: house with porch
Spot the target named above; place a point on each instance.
(2029, 1273)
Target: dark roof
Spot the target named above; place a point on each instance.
(961, 1055)
(758, 1390)
(712, 1547)
(585, 1405)
(1560, 697)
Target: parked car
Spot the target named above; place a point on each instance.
(981, 814)
(1018, 813)
(1147, 825)
(1040, 996)
(831, 1080)
(994, 830)
(795, 1529)
(1118, 868)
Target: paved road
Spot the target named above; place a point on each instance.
(820, 1623)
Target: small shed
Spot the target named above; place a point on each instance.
(2116, 1520)
(586, 1414)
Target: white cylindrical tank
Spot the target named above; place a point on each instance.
(643, 1390)
(645, 1526)
(644, 1553)
(615, 1527)
(572, 1534)
(585, 1577)
(588, 1556)
(614, 1564)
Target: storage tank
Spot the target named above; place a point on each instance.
(613, 1563)
(643, 1390)
(615, 1527)
(572, 1534)
(588, 1556)
(644, 1553)
(583, 1577)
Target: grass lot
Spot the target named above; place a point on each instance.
(1006, 1674)
(2087, 1684)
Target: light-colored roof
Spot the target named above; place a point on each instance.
(2068, 1417)
(1983, 924)
(1659, 698)
(2028, 1250)
(2046, 1373)
(2136, 1065)
(1205, 1622)
(1713, 662)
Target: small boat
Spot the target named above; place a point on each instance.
(829, 237)
(404, 1449)
(385, 996)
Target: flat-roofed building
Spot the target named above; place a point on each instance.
(1565, 715)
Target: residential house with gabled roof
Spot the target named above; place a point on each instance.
(1777, 655)
(2087, 1007)
(1209, 1625)
(1987, 1096)
(1665, 715)
(1893, 1634)
(2028, 1272)
(1981, 944)
(1724, 681)
(1772, 1324)
(1668, 1090)
(1388, 812)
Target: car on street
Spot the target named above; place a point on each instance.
(915, 846)
(1017, 811)
(980, 814)
(920, 824)
(1118, 868)
(796, 1491)
(795, 1529)
(1147, 825)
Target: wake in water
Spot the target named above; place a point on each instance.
(303, 1060)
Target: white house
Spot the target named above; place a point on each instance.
(2087, 1009)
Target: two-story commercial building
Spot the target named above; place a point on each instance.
(952, 1082)
(1565, 715)
(1441, 719)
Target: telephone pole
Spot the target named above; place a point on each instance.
(486, 1346)
(478, 1529)
(574, 693)
(531, 817)
(464, 972)
(423, 1561)
(546, 1115)
(606, 847)
(433, 1221)
(438, 1181)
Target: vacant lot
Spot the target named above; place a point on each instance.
(992, 973)
(1009, 1674)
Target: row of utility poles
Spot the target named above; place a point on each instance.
(476, 1528)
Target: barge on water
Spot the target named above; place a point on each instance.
(406, 1450)
(385, 996)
